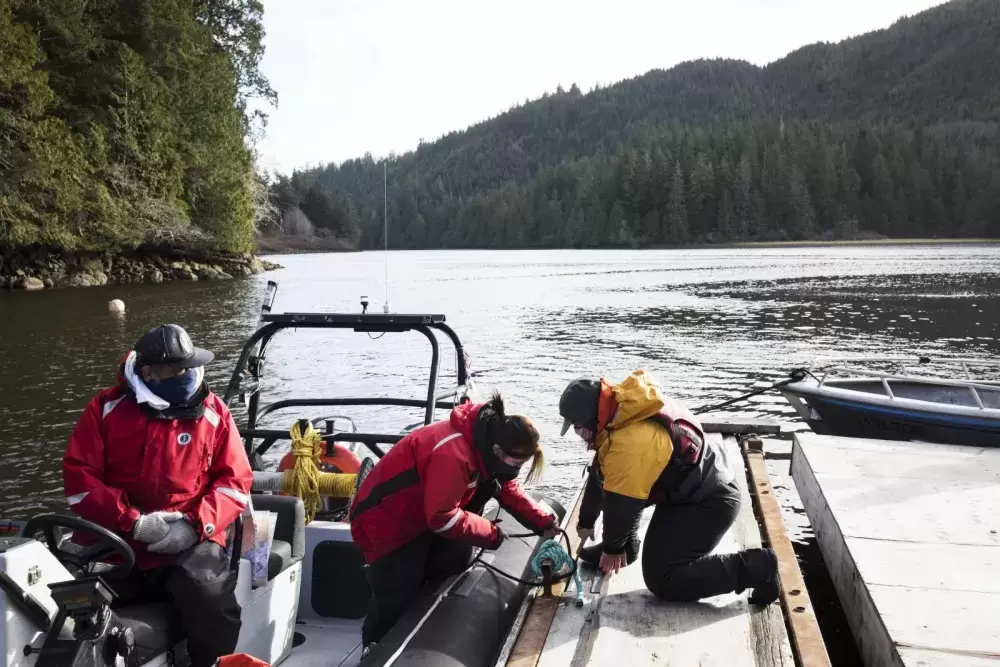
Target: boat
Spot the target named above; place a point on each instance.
(309, 609)
(856, 397)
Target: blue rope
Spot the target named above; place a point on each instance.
(552, 551)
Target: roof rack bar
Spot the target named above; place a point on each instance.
(347, 320)
(370, 440)
(267, 331)
(272, 326)
(433, 380)
(460, 359)
(350, 402)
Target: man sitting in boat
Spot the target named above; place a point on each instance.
(652, 451)
(158, 459)
(416, 516)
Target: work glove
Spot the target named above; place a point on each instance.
(154, 526)
(180, 537)
(550, 532)
(584, 533)
(501, 536)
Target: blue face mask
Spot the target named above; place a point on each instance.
(176, 390)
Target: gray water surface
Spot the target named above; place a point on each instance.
(710, 324)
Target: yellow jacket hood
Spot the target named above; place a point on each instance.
(638, 398)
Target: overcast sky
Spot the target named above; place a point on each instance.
(357, 76)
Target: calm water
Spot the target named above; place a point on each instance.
(709, 323)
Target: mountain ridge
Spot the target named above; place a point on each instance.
(920, 94)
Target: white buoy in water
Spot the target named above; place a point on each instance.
(116, 306)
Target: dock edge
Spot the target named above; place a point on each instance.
(808, 647)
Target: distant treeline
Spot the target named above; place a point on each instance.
(893, 133)
(745, 182)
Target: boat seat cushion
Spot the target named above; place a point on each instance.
(280, 558)
(289, 545)
(156, 626)
(291, 525)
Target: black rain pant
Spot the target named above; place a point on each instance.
(203, 589)
(677, 563)
(395, 579)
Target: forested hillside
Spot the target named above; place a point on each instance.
(122, 124)
(893, 133)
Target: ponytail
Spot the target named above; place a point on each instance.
(517, 437)
(537, 466)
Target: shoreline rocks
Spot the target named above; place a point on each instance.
(37, 269)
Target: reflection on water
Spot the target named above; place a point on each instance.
(710, 324)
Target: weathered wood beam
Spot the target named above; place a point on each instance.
(804, 634)
(739, 426)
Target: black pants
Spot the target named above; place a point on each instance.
(676, 564)
(203, 589)
(395, 580)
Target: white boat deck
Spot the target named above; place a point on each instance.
(328, 643)
(624, 624)
(909, 532)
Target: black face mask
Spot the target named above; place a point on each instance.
(499, 468)
(496, 467)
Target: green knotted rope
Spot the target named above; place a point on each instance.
(562, 564)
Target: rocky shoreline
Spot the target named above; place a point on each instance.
(45, 270)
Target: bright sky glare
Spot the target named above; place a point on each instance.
(357, 76)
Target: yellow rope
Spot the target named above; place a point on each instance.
(305, 479)
(338, 485)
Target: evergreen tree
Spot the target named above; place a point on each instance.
(123, 123)
(677, 220)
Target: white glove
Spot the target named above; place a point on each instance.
(180, 537)
(584, 533)
(154, 526)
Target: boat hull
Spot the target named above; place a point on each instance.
(465, 622)
(829, 415)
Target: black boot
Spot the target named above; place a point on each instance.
(592, 555)
(759, 571)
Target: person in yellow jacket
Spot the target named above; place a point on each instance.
(650, 450)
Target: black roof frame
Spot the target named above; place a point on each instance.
(254, 351)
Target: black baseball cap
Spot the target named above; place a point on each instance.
(578, 404)
(169, 344)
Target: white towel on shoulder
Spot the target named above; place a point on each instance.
(142, 392)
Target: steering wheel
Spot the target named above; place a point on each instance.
(106, 546)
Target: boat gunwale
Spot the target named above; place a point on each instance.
(807, 390)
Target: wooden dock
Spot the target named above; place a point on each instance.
(622, 623)
(909, 532)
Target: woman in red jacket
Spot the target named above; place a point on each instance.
(425, 496)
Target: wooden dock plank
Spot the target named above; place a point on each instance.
(806, 639)
(628, 625)
(909, 532)
(926, 658)
(970, 567)
(856, 457)
(940, 619)
(528, 647)
(570, 625)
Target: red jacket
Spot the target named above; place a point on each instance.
(422, 484)
(120, 463)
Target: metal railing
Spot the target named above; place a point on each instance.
(903, 363)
